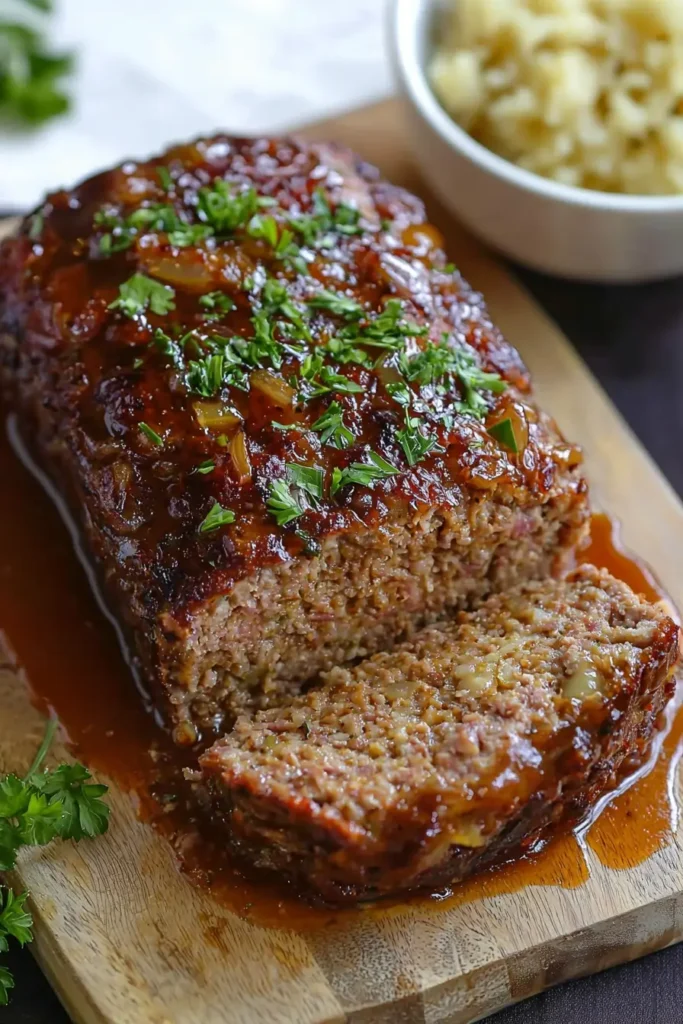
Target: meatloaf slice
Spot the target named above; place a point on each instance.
(417, 767)
(287, 426)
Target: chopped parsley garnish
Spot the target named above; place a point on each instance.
(301, 490)
(440, 360)
(140, 292)
(389, 329)
(205, 376)
(284, 503)
(60, 803)
(503, 431)
(206, 467)
(450, 268)
(401, 393)
(150, 434)
(345, 350)
(226, 207)
(321, 380)
(185, 235)
(216, 517)
(216, 302)
(317, 228)
(362, 473)
(159, 217)
(165, 179)
(416, 444)
(36, 226)
(331, 427)
(335, 302)
(306, 478)
(264, 227)
(276, 300)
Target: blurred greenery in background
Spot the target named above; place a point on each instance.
(31, 75)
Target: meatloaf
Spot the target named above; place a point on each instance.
(419, 766)
(288, 428)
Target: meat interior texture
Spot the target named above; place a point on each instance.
(293, 438)
(288, 427)
(417, 767)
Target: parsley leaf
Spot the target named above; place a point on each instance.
(439, 360)
(216, 302)
(503, 431)
(30, 74)
(150, 434)
(290, 498)
(84, 814)
(40, 821)
(15, 921)
(401, 393)
(34, 810)
(205, 376)
(216, 517)
(332, 428)
(317, 228)
(263, 227)
(363, 473)
(335, 302)
(416, 445)
(165, 179)
(306, 478)
(6, 985)
(284, 503)
(321, 380)
(225, 208)
(140, 292)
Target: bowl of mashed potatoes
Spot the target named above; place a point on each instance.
(553, 128)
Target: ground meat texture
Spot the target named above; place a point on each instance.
(417, 767)
(159, 329)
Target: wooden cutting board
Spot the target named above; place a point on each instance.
(125, 939)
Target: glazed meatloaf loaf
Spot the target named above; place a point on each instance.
(287, 426)
(417, 767)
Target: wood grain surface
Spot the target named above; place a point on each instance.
(125, 939)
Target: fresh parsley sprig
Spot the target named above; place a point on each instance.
(61, 803)
(15, 923)
(30, 73)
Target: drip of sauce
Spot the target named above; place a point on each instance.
(71, 660)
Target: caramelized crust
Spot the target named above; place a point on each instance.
(84, 376)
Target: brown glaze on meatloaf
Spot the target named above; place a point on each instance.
(171, 407)
(417, 767)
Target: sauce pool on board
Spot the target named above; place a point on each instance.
(76, 670)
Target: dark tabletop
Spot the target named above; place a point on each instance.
(632, 338)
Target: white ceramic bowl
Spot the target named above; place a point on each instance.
(573, 232)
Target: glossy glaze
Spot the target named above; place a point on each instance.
(42, 580)
(105, 373)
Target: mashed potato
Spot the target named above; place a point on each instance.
(588, 92)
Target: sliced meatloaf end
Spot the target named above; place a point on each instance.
(288, 428)
(417, 767)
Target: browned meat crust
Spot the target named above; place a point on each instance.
(145, 434)
(418, 767)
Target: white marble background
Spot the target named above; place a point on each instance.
(153, 71)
